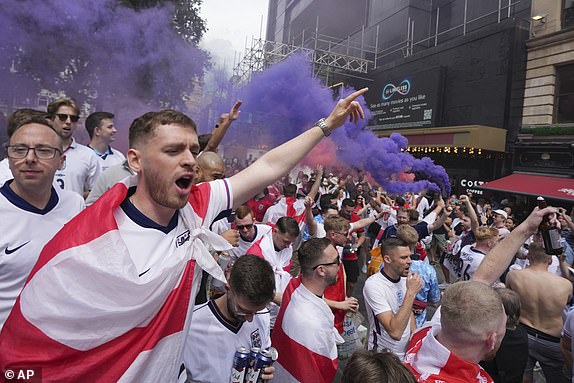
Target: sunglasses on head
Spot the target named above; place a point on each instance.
(64, 117)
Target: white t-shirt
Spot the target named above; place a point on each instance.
(150, 243)
(244, 245)
(80, 171)
(25, 230)
(212, 340)
(471, 258)
(5, 172)
(110, 158)
(382, 295)
(280, 261)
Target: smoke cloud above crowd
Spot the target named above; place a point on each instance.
(129, 62)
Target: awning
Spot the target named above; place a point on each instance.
(470, 136)
(534, 185)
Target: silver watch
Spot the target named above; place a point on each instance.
(321, 124)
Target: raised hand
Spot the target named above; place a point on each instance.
(346, 107)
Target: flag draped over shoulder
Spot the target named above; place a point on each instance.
(286, 207)
(304, 337)
(86, 315)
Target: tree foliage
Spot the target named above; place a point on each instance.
(186, 19)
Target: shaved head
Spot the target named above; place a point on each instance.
(210, 167)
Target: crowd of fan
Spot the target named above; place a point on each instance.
(288, 258)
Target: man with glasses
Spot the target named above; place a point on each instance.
(81, 168)
(236, 319)
(249, 231)
(32, 210)
(135, 258)
(304, 334)
(102, 131)
(389, 297)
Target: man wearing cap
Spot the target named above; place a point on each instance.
(499, 216)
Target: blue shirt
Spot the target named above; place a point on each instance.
(319, 219)
(430, 291)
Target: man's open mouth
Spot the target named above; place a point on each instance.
(183, 182)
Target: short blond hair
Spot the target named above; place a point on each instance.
(485, 233)
(470, 310)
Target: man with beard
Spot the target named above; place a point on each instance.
(389, 297)
(113, 301)
(304, 334)
(102, 131)
(235, 319)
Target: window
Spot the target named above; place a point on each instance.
(565, 94)
(568, 14)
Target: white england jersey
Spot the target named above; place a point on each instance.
(80, 170)
(382, 295)
(110, 158)
(280, 261)
(244, 245)
(5, 172)
(212, 340)
(149, 243)
(471, 258)
(25, 230)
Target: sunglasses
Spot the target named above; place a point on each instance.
(337, 262)
(64, 117)
(241, 227)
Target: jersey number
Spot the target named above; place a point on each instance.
(60, 183)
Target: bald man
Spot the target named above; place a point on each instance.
(209, 167)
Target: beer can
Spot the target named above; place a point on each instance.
(240, 365)
(253, 357)
(265, 358)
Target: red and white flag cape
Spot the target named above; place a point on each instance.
(286, 207)
(304, 337)
(85, 315)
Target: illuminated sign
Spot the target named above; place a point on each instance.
(409, 101)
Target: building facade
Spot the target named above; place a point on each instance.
(545, 143)
(447, 74)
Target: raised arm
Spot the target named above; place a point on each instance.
(309, 219)
(357, 225)
(283, 158)
(220, 129)
(440, 218)
(499, 258)
(315, 188)
(474, 224)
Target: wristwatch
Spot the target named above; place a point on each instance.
(321, 124)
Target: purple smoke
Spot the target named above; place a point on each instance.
(285, 100)
(132, 61)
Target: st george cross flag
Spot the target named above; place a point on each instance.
(286, 207)
(304, 337)
(85, 315)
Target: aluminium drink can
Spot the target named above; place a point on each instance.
(240, 365)
(265, 359)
